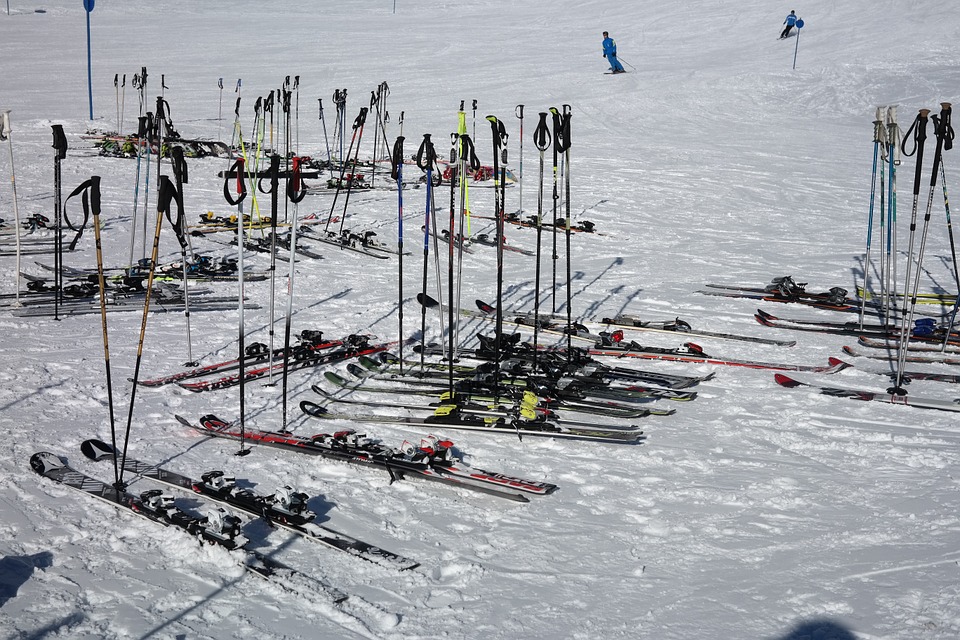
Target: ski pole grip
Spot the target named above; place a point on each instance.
(541, 135)
(520, 111)
(59, 141)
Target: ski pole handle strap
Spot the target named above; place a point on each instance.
(541, 135)
(237, 171)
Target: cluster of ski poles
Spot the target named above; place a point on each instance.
(462, 163)
(889, 145)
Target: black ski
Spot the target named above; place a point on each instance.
(221, 489)
(52, 467)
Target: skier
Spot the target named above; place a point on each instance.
(610, 53)
(790, 22)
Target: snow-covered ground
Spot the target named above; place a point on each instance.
(753, 512)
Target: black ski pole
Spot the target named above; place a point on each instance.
(60, 148)
(426, 160)
(557, 125)
(397, 174)
(919, 135)
(519, 114)
(943, 131)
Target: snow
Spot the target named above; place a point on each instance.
(753, 512)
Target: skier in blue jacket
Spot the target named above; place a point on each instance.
(610, 53)
(790, 22)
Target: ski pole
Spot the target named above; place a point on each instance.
(919, 131)
(542, 139)
(878, 140)
(397, 174)
(101, 281)
(5, 134)
(519, 114)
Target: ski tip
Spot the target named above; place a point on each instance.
(183, 421)
(838, 365)
(426, 300)
(313, 409)
(786, 381)
(97, 449)
(849, 350)
(44, 462)
(483, 306)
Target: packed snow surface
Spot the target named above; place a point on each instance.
(753, 512)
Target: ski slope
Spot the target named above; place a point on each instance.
(753, 512)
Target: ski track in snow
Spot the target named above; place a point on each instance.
(754, 511)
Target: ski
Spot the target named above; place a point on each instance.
(289, 513)
(476, 393)
(925, 329)
(951, 378)
(358, 347)
(450, 417)
(562, 387)
(623, 321)
(912, 357)
(364, 243)
(875, 343)
(769, 297)
(254, 353)
(872, 396)
(433, 460)
(527, 407)
(692, 353)
(589, 373)
(50, 466)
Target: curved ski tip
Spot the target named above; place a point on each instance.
(97, 449)
(44, 462)
(313, 409)
(786, 381)
(838, 364)
(183, 421)
(849, 350)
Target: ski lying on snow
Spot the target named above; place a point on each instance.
(249, 502)
(434, 463)
(311, 360)
(911, 357)
(935, 347)
(854, 328)
(251, 358)
(872, 396)
(684, 328)
(52, 467)
(692, 353)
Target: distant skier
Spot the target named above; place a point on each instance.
(790, 22)
(610, 53)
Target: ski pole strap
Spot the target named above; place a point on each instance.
(560, 130)
(541, 135)
(468, 152)
(271, 174)
(179, 165)
(296, 189)
(396, 159)
(916, 133)
(236, 170)
(90, 190)
(59, 142)
(426, 154)
(361, 118)
(169, 193)
(945, 128)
